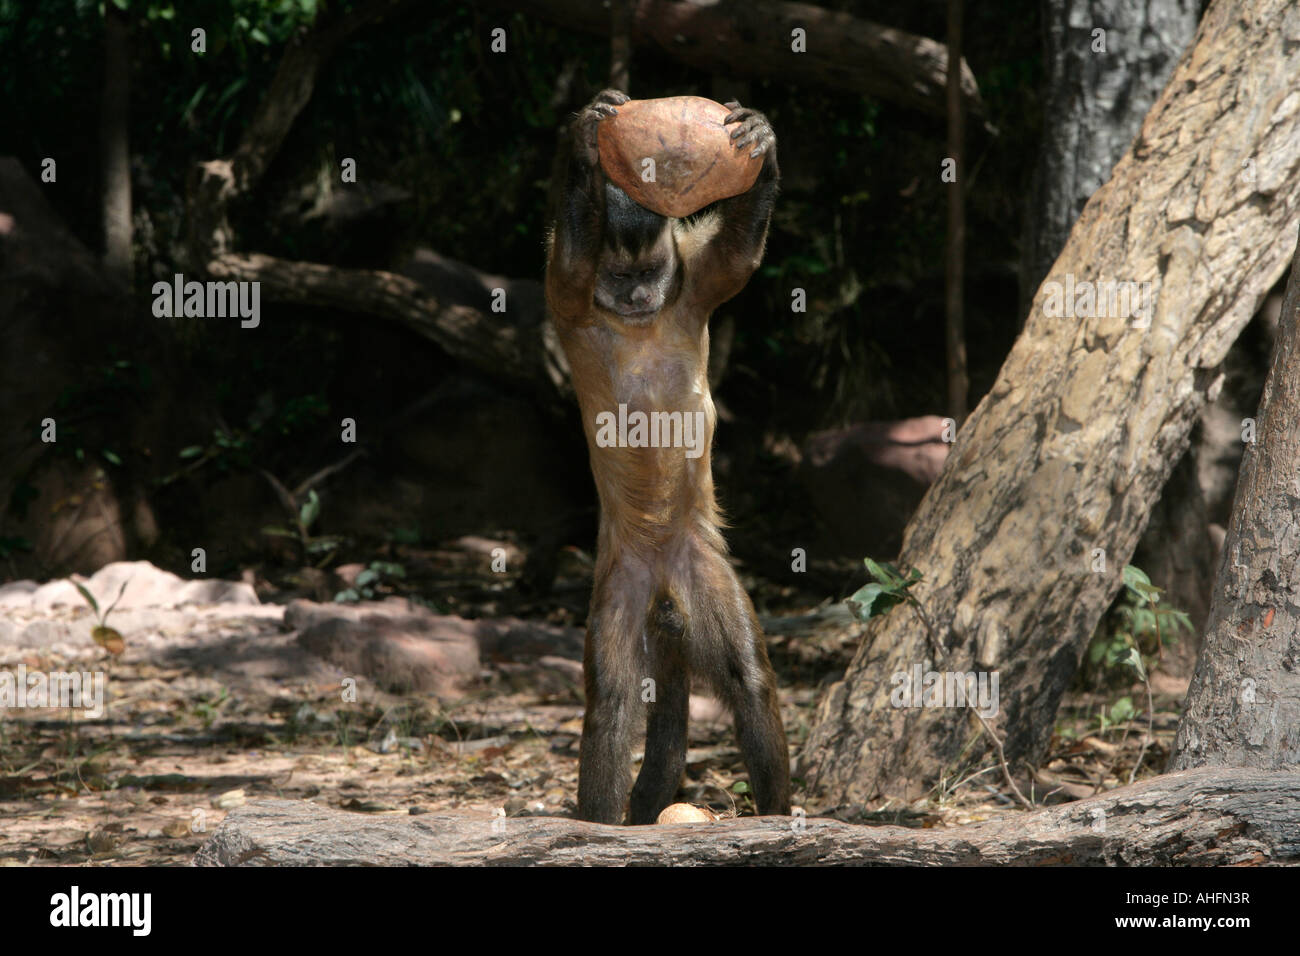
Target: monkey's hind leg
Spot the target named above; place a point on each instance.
(665, 740)
(727, 647)
(612, 677)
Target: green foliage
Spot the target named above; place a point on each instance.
(312, 546)
(103, 635)
(378, 577)
(1120, 712)
(1132, 633)
(888, 589)
(237, 449)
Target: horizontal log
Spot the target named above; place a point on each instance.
(1202, 817)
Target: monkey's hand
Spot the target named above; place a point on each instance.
(584, 138)
(752, 127)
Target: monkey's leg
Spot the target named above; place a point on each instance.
(665, 739)
(611, 674)
(727, 646)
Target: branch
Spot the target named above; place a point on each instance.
(515, 346)
(753, 39)
(1198, 817)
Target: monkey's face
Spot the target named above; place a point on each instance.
(635, 286)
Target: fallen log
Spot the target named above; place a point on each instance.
(1206, 817)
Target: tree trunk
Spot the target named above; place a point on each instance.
(753, 39)
(955, 253)
(1096, 102)
(1243, 708)
(1199, 818)
(1022, 539)
(115, 145)
(1177, 553)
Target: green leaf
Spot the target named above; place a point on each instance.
(1140, 586)
(883, 572)
(1122, 710)
(120, 592)
(1134, 660)
(279, 532)
(344, 597)
(193, 451)
(740, 786)
(90, 598)
(872, 600)
(1133, 576)
(111, 458)
(1097, 650)
(310, 510)
(368, 576)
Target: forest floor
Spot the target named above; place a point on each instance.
(212, 705)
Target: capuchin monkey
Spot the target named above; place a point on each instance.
(630, 293)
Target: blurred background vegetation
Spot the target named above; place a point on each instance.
(460, 142)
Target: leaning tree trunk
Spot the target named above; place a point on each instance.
(1107, 61)
(1023, 537)
(1243, 708)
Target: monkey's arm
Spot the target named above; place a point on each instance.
(729, 248)
(577, 212)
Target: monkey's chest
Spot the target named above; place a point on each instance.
(658, 403)
(650, 431)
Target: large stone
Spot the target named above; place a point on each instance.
(145, 586)
(891, 462)
(403, 648)
(695, 160)
(406, 648)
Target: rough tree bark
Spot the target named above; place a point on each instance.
(1100, 87)
(752, 39)
(1243, 708)
(1200, 818)
(1061, 462)
(1095, 104)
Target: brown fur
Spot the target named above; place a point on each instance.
(666, 603)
